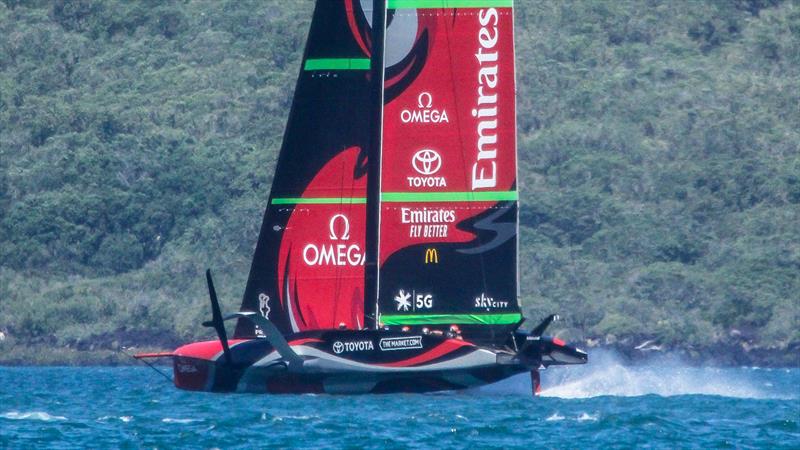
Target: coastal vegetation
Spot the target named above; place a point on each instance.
(659, 147)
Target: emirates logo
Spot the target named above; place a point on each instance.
(426, 162)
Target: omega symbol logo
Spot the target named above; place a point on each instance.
(344, 228)
(426, 162)
(338, 347)
(425, 100)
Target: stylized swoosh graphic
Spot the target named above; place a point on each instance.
(288, 296)
(503, 231)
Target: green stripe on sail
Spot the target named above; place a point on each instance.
(337, 64)
(448, 319)
(319, 201)
(412, 197)
(409, 4)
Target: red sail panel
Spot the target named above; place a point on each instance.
(321, 259)
(452, 129)
(448, 169)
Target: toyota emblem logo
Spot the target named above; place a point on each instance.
(338, 347)
(426, 162)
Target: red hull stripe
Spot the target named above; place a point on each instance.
(205, 350)
(304, 341)
(442, 349)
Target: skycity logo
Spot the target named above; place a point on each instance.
(338, 254)
(425, 112)
(485, 302)
(426, 162)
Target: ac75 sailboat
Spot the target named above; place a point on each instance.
(388, 256)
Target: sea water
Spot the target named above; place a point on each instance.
(605, 404)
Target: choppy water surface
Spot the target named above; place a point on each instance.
(604, 404)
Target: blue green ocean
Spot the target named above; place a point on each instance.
(605, 404)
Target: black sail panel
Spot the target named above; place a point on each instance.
(308, 267)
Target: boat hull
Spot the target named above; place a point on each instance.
(343, 362)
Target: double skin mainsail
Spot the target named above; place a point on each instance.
(445, 249)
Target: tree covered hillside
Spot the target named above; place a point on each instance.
(659, 167)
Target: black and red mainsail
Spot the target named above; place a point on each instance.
(394, 201)
(308, 267)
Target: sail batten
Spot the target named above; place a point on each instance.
(337, 64)
(318, 200)
(468, 196)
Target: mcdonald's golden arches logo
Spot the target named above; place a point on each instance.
(431, 256)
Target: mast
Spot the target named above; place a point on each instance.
(371, 310)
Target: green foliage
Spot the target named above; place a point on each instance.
(659, 163)
(658, 144)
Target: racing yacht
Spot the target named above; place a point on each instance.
(387, 259)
